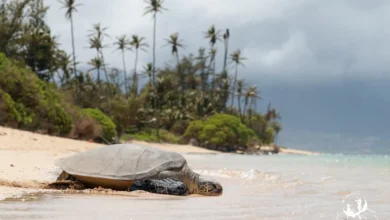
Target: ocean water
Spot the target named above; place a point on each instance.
(278, 187)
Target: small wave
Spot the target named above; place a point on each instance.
(251, 174)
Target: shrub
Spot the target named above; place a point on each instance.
(220, 132)
(179, 127)
(31, 103)
(107, 125)
(151, 136)
(86, 128)
(12, 114)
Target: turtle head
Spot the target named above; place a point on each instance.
(209, 188)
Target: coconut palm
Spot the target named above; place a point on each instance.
(148, 69)
(226, 37)
(96, 64)
(122, 45)
(97, 34)
(237, 60)
(250, 93)
(214, 36)
(202, 57)
(137, 43)
(176, 43)
(277, 127)
(154, 6)
(71, 7)
(240, 89)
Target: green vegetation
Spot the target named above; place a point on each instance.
(29, 103)
(221, 132)
(151, 136)
(107, 125)
(43, 89)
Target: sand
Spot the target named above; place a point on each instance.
(27, 158)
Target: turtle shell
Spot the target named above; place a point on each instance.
(123, 162)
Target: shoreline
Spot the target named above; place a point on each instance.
(27, 158)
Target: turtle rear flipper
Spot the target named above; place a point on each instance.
(161, 186)
(66, 184)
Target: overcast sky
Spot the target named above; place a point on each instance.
(291, 46)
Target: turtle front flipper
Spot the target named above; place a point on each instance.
(161, 186)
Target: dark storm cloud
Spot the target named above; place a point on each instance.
(287, 39)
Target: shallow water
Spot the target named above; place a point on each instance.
(255, 187)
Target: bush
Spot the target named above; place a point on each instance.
(179, 127)
(30, 103)
(11, 113)
(86, 128)
(107, 125)
(151, 136)
(220, 132)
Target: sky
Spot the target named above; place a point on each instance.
(323, 64)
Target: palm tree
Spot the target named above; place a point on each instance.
(148, 69)
(121, 44)
(138, 44)
(97, 64)
(237, 60)
(240, 88)
(202, 57)
(154, 6)
(213, 35)
(71, 7)
(176, 44)
(96, 41)
(250, 93)
(226, 37)
(277, 127)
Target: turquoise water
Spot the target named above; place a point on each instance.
(275, 187)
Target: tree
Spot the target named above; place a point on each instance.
(240, 89)
(213, 35)
(250, 93)
(226, 37)
(154, 6)
(138, 44)
(96, 42)
(277, 127)
(97, 64)
(237, 60)
(71, 7)
(121, 44)
(176, 43)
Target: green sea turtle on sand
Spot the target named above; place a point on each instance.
(133, 167)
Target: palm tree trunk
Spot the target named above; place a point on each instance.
(181, 77)
(245, 106)
(124, 69)
(212, 73)
(234, 86)
(98, 77)
(250, 112)
(104, 66)
(135, 80)
(154, 74)
(239, 105)
(73, 46)
(226, 53)
(154, 50)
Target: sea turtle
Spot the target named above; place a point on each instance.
(134, 167)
